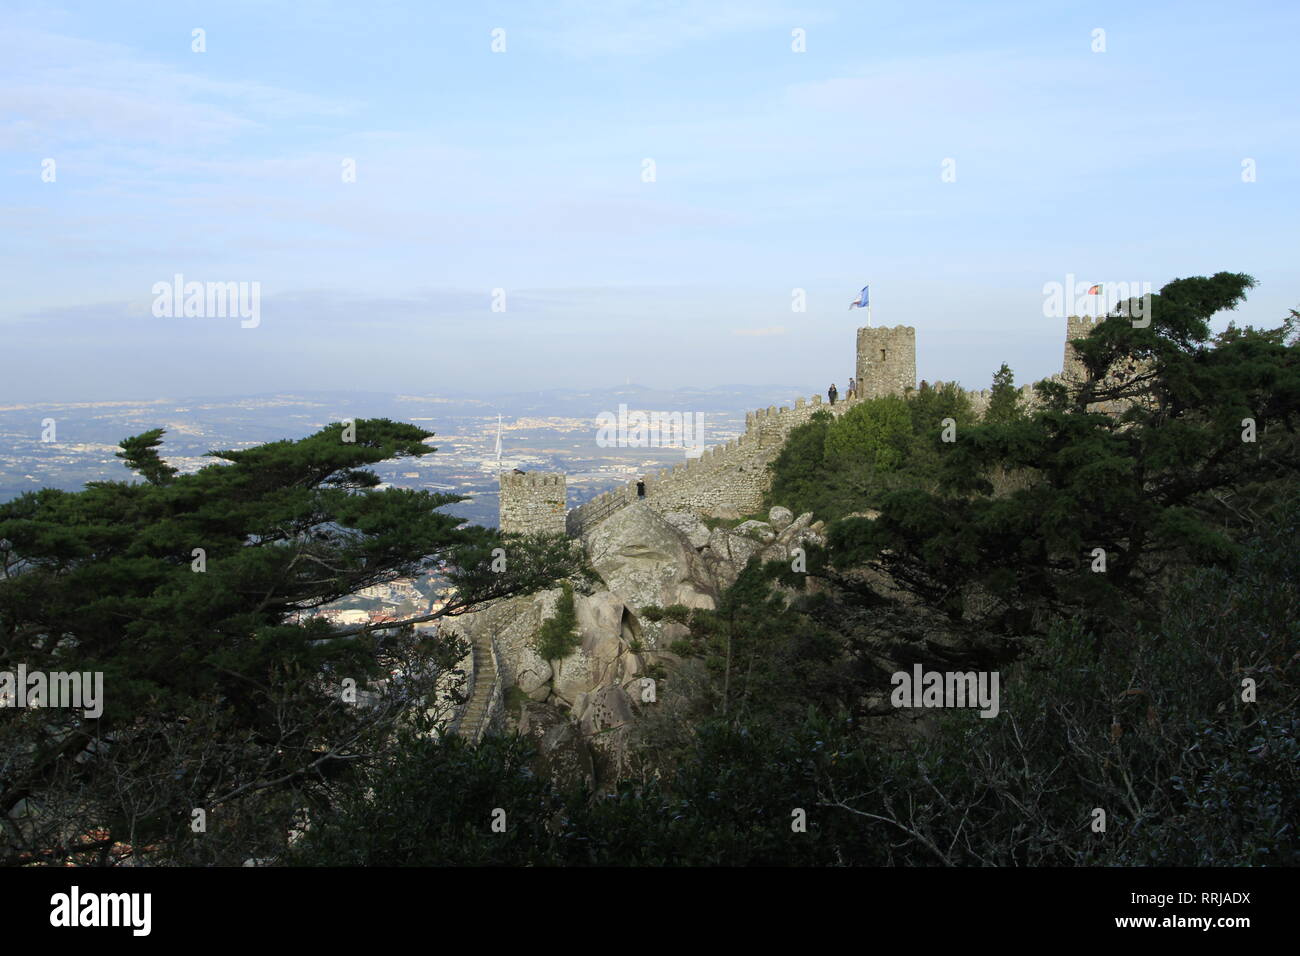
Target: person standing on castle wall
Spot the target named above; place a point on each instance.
(832, 393)
(853, 390)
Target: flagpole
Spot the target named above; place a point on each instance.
(498, 443)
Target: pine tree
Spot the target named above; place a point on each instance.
(1004, 401)
(1108, 502)
(191, 594)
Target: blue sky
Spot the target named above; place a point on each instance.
(522, 170)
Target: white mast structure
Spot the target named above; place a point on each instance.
(498, 443)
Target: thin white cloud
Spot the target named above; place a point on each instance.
(60, 89)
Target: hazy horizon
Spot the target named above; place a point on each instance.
(486, 397)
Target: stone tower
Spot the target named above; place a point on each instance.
(532, 503)
(1076, 327)
(886, 361)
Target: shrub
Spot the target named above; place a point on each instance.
(558, 636)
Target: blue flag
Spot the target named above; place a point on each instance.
(862, 300)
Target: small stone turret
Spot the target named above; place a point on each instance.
(533, 503)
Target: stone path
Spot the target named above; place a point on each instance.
(473, 723)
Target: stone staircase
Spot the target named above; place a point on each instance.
(485, 692)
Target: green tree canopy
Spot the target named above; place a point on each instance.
(1153, 476)
(191, 595)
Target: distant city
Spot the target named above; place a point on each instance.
(540, 431)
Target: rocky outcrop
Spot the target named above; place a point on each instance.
(562, 753)
(604, 720)
(644, 558)
(780, 518)
(696, 531)
(727, 552)
(798, 532)
(533, 674)
(574, 676)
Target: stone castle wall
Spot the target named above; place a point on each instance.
(980, 398)
(1072, 370)
(533, 503)
(731, 480)
(726, 481)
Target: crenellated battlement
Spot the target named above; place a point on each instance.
(532, 479)
(726, 480)
(731, 479)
